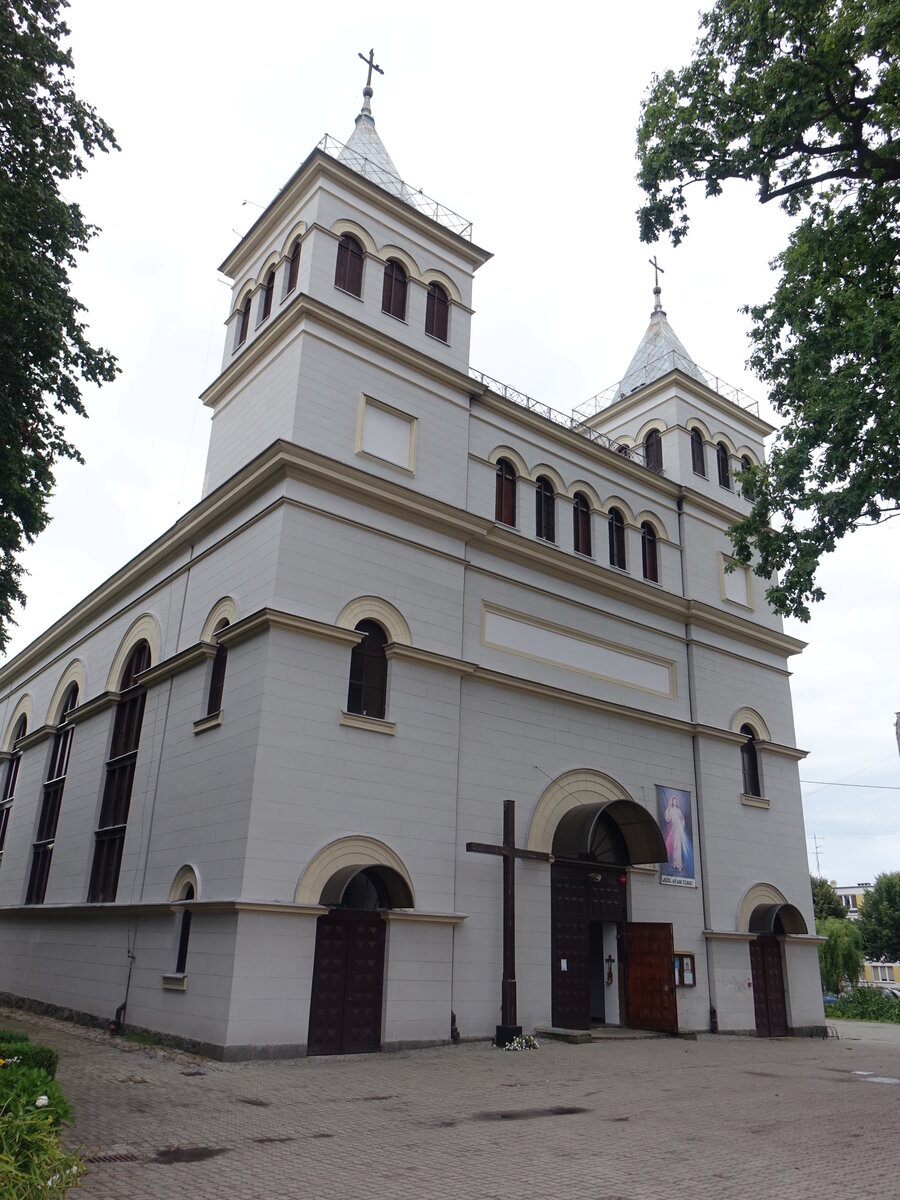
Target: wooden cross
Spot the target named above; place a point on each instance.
(373, 66)
(508, 1029)
(657, 269)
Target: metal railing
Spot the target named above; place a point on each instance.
(392, 183)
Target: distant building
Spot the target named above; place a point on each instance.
(852, 897)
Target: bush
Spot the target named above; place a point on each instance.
(865, 1004)
(27, 1055)
(33, 1165)
(13, 1035)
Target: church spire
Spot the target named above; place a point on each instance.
(660, 350)
(365, 151)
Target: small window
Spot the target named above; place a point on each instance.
(649, 552)
(746, 462)
(217, 674)
(243, 323)
(393, 292)
(505, 493)
(616, 539)
(9, 783)
(624, 450)
(581, 524)
(723, 465)
(367, 694)
(268, 292)
(545, 509)
(750, 762)
(437, 312)
(348, 270)
(698, 453)
(185, 932)
(293, 267)
(653, 450)
(42, 850)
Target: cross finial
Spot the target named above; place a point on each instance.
(373, 66)
(657, 290)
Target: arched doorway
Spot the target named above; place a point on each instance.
(345, 1011)
(771, 922)
(606, 969)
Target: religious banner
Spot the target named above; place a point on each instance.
(674, 815)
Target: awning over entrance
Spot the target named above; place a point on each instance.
(618, 831)
(777, 918)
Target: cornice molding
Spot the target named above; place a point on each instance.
(694, 387)
(265, 619)
(36, 737)
(182, 661)
(90, 708)
(428, 658)
(782, 750)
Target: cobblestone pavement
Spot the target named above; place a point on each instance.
(722, 1118)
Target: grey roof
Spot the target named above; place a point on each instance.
(364, 152)
(660, 351)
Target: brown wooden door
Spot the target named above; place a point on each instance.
(570, 948)
(769, 1003)
(650, 967)
(348, 983)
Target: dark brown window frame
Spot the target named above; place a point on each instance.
(544, 509)
(293, 267)
(348, 267)
(394, 289)
(653, 454)
(505, 493)
(581, 524)
(51, 801)
(649, 552)
(244, 323)
(267, 294)
(367, 689)
(750, 778)
(698, 453)
(9, 783)
(184, 934)
(723, 465)
(217, 673)
(617, 554)
(437, 312)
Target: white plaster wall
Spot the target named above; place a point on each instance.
(732, 985)
(418, 971)
(273, 956)
(803, 984)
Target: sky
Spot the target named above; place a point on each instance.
(524, 122)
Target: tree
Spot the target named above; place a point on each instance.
(45, 356)
(879, 918)
(802, 97)
(826, 901)
(841, 954)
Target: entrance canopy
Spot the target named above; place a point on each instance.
(612, 831)
(777, 918)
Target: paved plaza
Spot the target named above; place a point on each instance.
(619, 1119)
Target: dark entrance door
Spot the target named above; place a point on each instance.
(581, 899)
(650, 966)
(348, 983)
(769, 1003)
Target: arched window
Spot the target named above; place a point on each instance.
(9, 783)
(367, 694)
(437, 312)
(217, 674)
(393, 291)
(723, 465)
(293, 267)
(698, 453)
(746, 462)
(505, 493)
(616, 539)
(750, 762)
(110, 836)
(545, 509)
(268, 292)
(243, 323)
(42, 850)
(185, 932)
(348, 271)
(581, 524)
(649, 552)
(624, 450)
(653, 450)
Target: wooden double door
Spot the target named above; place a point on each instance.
(769, 1001)
(345, 1010)
(584, 901)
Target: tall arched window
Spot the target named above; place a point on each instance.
(616, 539)
(244, 322)
(293, 267)
(42, 851)
(750, 762)
(698, 453)
(393, 291)
(268, 292)
(505, 493)
(581, 524)
(437, 312)
(217, 674)
(653, 450)
(367, 694)
(348, 271)
(723, 465)
(185, 932)
(545, 509)
(9, 783)
(110, 836)
(649, 552)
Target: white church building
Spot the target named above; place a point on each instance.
(250, 785)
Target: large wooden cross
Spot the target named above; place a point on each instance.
(509, 851)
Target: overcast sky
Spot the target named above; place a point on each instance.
(524, 121)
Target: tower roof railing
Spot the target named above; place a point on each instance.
(414, 197)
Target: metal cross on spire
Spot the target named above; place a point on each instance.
(367, 90)
(657, 290)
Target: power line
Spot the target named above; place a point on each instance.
(881, 787)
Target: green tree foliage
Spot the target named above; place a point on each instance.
(826, 901)
(45, 134)
(879, 918)
(803, 98)
(841, 954)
